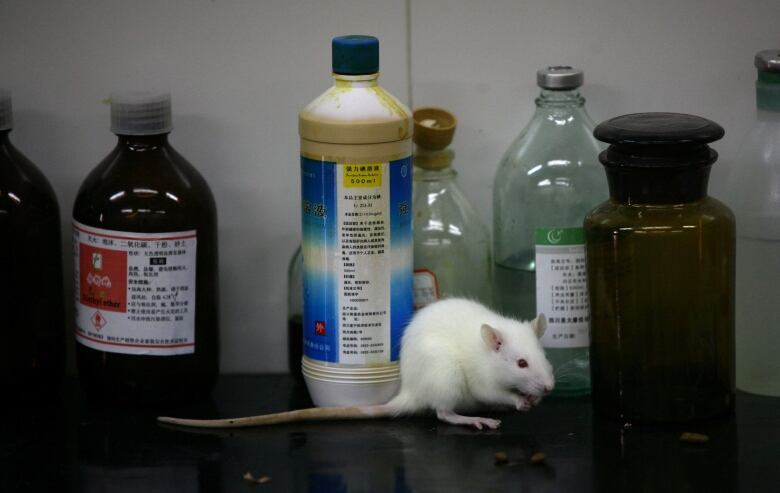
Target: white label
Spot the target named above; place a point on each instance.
(363, 241)
(426, 288)
(135, 292)
(562, 290)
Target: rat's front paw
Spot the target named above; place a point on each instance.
(478, 423)
(523, 403)
(475, 421)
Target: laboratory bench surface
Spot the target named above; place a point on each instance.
(77, 445)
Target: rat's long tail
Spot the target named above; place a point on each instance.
(311, 414)
(400, 404)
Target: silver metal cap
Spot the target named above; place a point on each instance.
(559, 77)
(6, 113)
(768, 61)
(141, 113)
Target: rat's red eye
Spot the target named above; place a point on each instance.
(522, 363)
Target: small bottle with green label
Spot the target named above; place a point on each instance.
(548, 180)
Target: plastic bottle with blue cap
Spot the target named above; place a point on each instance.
(356, 186)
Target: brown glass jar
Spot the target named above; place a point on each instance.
(145, 247)
(32, 354)
(660, 258)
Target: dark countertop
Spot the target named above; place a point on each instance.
(84, 447)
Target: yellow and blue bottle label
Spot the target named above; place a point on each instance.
(357, 256)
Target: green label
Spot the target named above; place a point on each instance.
(560, 236)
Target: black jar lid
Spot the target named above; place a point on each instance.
(658, 140)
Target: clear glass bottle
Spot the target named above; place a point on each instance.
(32, 355)
(295, 313)
(754, 186)
(661, 274)
(145, 251)
(451, 245)
(548, 180)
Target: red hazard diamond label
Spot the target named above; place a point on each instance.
(98, 320)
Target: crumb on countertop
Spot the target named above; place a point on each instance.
(690, 437)
(249, 477)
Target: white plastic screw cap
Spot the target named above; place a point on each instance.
(141, 113)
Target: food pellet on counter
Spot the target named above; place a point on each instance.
(689, 437)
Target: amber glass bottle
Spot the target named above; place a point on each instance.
(32, 354)
(145, 246)
(660, 257)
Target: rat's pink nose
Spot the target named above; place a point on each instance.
(547, 389)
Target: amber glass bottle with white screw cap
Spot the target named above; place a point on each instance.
(32, 355)
(145, 252)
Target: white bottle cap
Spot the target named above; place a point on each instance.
(141, 113)
(6, 113)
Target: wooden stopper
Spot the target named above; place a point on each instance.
(433, 128)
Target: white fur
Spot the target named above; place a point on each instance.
(446, 364)
(451, 360)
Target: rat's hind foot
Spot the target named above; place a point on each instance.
(477, 422)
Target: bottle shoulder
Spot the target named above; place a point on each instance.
(23, 186)
(355, 115)
(443, 209)
(156, 190)
(544, 159)
(549, 136)
(758, 156)
(754, 176)
(613, 215)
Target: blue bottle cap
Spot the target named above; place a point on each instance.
(355, 55)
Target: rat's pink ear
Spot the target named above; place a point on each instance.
(492, 337)
(539, 324)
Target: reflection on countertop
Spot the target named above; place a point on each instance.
(86, 447)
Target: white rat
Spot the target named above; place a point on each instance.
(455, 355)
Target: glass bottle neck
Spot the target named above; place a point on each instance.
(443, 174)
(657, 175)
(433, 165)
(768, 95)
(367, 80)
(658, 187)
(560, 100)
(142, 143)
